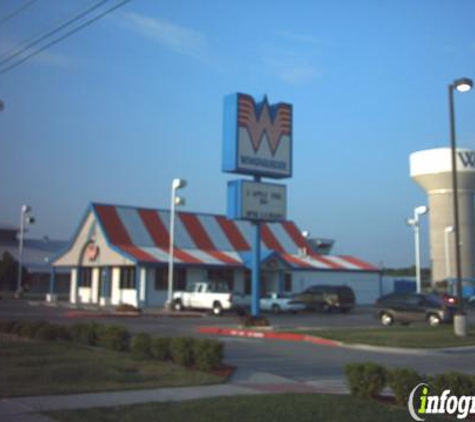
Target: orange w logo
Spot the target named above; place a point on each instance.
(275, 121)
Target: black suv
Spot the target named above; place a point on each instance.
(413, 307)
(327, 298)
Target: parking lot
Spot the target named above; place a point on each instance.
(296, 361)
(155, 323)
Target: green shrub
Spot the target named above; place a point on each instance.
(160, 348)
(365, 379)
(6, 327)
(63, 333)
(141, 346)
(181, 350)
(208, 354)
(402, 382)
(29, 328)
(85, 333)
(252, 321)
(19, 326)
(459, 384)
(47, 332)
(113, 337)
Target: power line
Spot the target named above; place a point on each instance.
(52, 32)
(56, 23)
(63, 37)
(11, 15)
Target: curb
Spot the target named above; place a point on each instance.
(393, 350)
(410, 351)
(270, 335)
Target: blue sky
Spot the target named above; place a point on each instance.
(115, 112)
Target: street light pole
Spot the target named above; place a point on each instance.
(24, 218)
(175, 200)
(415, 223)
(461, 85)
(447, 231)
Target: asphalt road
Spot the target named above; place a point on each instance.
(159, 325)
(299, 361)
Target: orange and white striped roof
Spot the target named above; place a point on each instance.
(207, 239)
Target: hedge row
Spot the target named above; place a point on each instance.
(205, 355)
(369, 379)
(111, 337)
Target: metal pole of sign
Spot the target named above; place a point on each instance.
(256, 266)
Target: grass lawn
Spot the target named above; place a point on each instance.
(275, 408)
(33, 368)
(415, 336)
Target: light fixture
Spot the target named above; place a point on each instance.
(463, 84)
(421, 210)
(179, 200)
(178, 183)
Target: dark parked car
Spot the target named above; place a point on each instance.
(327, 298)
(413, 307)
(449, 299)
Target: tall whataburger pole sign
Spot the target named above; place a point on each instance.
(257, 141)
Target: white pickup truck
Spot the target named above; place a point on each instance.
(214, 296)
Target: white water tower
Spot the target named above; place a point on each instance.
(432, 170)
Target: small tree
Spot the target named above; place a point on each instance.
(9, 272)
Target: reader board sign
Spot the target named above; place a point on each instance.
(257, 138)
(257, 201)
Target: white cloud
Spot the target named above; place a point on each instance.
(294, 62)
(291, 71)
(303, 38)
(175, 37)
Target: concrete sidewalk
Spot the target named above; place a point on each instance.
(243, 382)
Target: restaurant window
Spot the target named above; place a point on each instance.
(222, 274)
(161, 279)
(127, 278)
(287, 282)
(85, 277)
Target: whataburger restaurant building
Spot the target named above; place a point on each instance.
(119, 254)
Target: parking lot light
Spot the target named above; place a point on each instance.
(175, 201)
(415, 223)
(447, 231)
(25, 218)
(460, 85)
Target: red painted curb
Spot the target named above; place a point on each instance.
(322, 341)
(268, 335)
